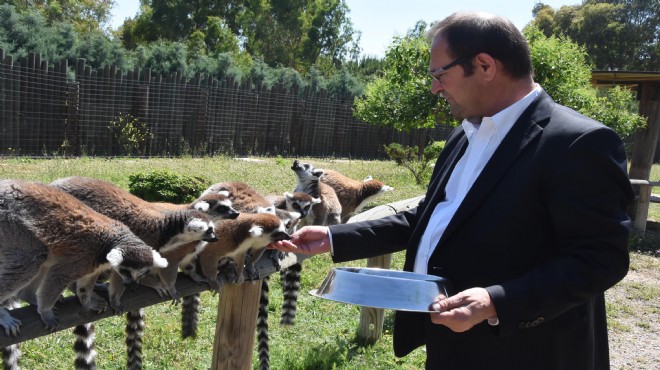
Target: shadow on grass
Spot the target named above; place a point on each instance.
(335, 353)
(648, 244)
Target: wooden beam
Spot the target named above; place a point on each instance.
(70, 313)
(371, 319)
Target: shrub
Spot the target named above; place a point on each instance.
(419, 163)
(165, 186)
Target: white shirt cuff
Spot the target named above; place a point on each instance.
(332, 249)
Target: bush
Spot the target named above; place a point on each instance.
(165, 186)
(416, 161)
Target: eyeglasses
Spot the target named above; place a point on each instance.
(437, 73)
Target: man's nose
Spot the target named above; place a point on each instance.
(436, 87)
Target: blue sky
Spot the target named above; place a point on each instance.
(380, 20)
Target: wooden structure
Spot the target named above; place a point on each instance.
(645, 148)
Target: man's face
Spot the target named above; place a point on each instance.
(460, 91)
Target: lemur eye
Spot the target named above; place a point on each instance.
(296, 206)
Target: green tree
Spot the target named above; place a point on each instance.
(291, 33)
(561, 67)
(617, 34)
(401, 98)
(84, 15)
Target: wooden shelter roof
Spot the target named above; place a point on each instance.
(603, 78)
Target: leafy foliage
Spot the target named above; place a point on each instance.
(166, 186)
(131, 133)
(625, 28)
(560, 67)
(419, 163)
(401, 97)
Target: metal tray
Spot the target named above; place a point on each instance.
(382, 288)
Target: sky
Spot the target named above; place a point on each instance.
(380, 20)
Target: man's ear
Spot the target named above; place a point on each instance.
(486, 65)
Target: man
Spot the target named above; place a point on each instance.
(525, 214)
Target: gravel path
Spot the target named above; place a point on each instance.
(634, 316)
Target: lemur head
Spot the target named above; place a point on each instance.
(131, 258)
(267, 228)
(300, 202)
(289, 219)
(305, 170)
(199, 227)
(218, 206)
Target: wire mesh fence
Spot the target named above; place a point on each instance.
(47, 110)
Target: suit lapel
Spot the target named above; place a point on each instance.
(435, 194)
(523, 132)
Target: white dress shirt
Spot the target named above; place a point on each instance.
(483, 139)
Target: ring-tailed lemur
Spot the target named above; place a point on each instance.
(310, 183)
(163, 231)
(328, 211)
(250, 232)
(352, 194)
(49, 239)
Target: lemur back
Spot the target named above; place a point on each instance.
(243, 197)
(49, 239)
(353, 195)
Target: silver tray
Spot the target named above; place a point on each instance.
(382, 288)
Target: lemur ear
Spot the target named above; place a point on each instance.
(288, 195)
(256, 230)
(224, 192)
(159, 261)
(316, 200)
(115, 257)
(270, 210)
(318, 173)
(202, 206)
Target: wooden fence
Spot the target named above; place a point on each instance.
(51, 109)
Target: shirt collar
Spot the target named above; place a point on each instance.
(504, 119)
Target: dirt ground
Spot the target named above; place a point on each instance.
(634, 311)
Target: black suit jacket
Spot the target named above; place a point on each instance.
(544, 229)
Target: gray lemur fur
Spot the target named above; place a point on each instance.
(49, 239)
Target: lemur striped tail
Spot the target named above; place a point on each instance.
(134, 331)
(10, 357)
(290, 278)
(84, 347)
(262, 327)
(190, 316)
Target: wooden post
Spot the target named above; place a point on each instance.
(371, 319)
(236, 326)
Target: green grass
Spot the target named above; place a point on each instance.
(324, 336)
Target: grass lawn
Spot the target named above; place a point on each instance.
(324, 336)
